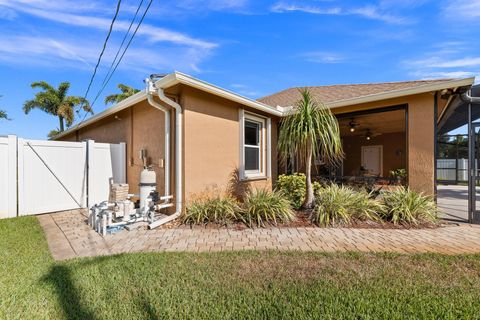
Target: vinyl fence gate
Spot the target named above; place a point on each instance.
(40, 176)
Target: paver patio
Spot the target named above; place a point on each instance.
(69, 236)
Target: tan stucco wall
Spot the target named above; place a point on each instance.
(140, 127)
(394, 148)
(420, 143)
(212, 143)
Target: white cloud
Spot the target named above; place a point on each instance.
(154, 34)
(444, 62)
(245, 90)
(80, 50)
(82, 54)
(323, 57)
(462, 9)
(284, 7)
(425, 75)
(215, 5)
(437, 62)
(7, 14)
(238, 86)
(368, 11)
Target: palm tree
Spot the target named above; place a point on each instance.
(56, 102)
(310, 131)
(3, 114)
(127, 91)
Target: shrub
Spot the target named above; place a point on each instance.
(211, 207)
(406, 205)
(340, 205)
(293, 186)
(262, 206)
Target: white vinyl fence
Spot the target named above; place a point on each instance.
(49, 176)
(452, 169)
(8, 177)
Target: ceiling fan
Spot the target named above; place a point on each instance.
(352, 125)
(369, 134)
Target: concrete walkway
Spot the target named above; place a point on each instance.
(69, 236)
(452, 201)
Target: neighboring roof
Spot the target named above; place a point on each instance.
(350, 94)
(169, 81)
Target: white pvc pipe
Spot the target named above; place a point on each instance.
(153, 103)
(178, 159)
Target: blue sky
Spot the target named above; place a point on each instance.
(252, 47)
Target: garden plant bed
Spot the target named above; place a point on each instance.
(302, 221)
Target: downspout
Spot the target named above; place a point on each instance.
(178, 159)
(469, 99)
(153, 103)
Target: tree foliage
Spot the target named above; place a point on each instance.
(126, 91)
(56, 102)
(3, 114)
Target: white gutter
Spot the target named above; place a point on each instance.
(178, 77)
(150, 90)
(178, 157)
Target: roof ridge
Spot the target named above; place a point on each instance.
(358, 84)
(373, 83)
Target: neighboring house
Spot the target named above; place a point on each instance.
(230, 141)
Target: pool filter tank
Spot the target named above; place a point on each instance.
(148, 183)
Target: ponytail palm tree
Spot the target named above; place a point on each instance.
(310, 131)
(56, 102)
(126, 91)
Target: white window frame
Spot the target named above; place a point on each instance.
(265, 146)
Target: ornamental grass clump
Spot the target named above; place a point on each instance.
(262, 207)
(404, 205)
(212, 207)
(341, 205)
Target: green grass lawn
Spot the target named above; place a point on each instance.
(246, 285)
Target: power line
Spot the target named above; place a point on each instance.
(123, 42)
(124, 51)
(101, 55)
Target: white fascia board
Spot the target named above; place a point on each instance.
(403, 92)
(178, 77)
(124, 104)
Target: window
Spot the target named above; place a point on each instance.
(252, 145)
(255, 142)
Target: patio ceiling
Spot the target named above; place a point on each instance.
(384, 122)
(456, 114)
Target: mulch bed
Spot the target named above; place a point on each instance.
(302, 221)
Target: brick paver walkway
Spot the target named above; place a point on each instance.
(69, 236)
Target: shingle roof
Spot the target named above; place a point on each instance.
(333, 93)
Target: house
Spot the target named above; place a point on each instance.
(197, 135)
